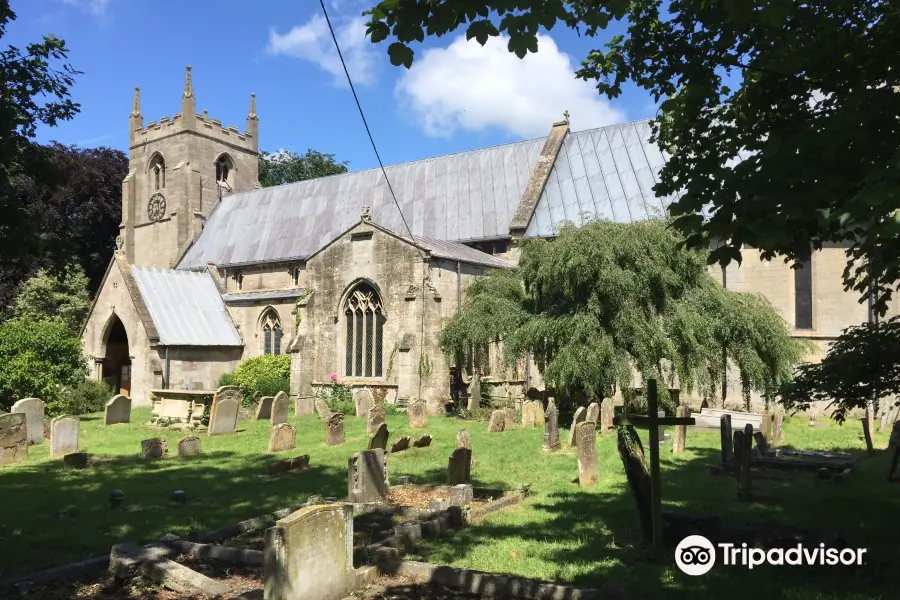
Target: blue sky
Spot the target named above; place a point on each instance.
(458, 96)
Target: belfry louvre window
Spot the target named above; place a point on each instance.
(272, 333)
(803, 318)
(364, 322)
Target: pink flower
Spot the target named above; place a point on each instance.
(334, 377)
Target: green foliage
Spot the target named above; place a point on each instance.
(61, 296)
(226, 379)
(339, 397)
(264, 375)
(288, 167)
(606, 300)
(89, 396)
(38, 359)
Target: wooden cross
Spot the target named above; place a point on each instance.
(653, 421)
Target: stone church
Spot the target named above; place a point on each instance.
(210, 268)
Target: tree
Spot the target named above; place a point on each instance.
(287, 167)
(62, 296)
(607, 300)
(802, 92)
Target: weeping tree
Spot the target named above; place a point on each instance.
(605, 301)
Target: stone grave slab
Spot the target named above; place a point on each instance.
(376, 419)
(588, 467)
(367, 476)
(463, 439)
(364, 402)
(580, 416)
(400, 444)
(323, 410)
(418, 414)
(304, 407)
(33, 409)
(223, 415)
(118, 410)
(459, 466)
(509, 414)
(157, 447)
(551, 428)
(498, 421)
(607, 415)
(422, 441)
(593, 412)
(64, 435)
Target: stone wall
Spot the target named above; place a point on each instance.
(246, 318)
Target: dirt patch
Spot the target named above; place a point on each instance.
(415, 497)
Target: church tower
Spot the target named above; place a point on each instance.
(179, 169)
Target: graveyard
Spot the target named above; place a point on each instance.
(537, 520)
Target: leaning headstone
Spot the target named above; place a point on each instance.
(459, 467)
(13, 439)
(762, 445)
(551, 428)
(309, 554)
(586, 440)
(510, 418)
(776, 427)
(364, 402)
(682, 412)
(154, 448)
(281, 405)
(118, 410)
(607, 415)
(367, 476)
(264, 408)
(282, 437)
(400, 444)
(593, 412)
(725, 436)
(580, 417)
(894, 440)
(422, 441)
(463, 440)
(33, 409)
(64, 433)
(418, 414)
(379, 440)
(528, 414)
(223, 415)
(334, 431)
(304, 407)
(498, 420)
(189, 446)
(323, 410)
(376, 419)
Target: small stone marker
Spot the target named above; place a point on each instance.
(280, 408)
(334, 431)
(607, 415)
(460, 465)
(418, 414)
(463, 440)
(33, 409)
(579, 417)
(776, 427)
(538, 413)
(586, 441)
(64, 433)
(189, 446)
(510, 420)
(154, 448)
(13, 439)
(593, 412)
(367, 476)
(304, 407)
(422, 441)
(223, 415)
(323, 410)
(364, 402)
(118, 410)
(461, 494)
(264, 408)
(76, 460)
(726, 440)
(400, 444)
(376, 419)
(683, 412)
(309, 554)
(379, 440)
(282, 437)
(551, 428)
(498, 420)
(527, 414)
(761, 444)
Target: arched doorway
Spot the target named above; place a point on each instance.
(117, 360)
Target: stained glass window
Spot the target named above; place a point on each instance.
(277, 332)
(272, 332)
(267, 344)
(365, 332)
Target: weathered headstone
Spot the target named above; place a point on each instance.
(463, 440)
(586, 441)
(282, 437)
(379, 440)
(474, 393)
(607, 415)
(422, 441)
(461, 494)
(223, 415)
(510, 418)
(459, 467)
(400, 444)
(726, 439)
(64, 433)
(281, 406)
(189, 446)
(309, 554)
(498, 420)
(118, 410)
(323, 410)
(528, 414)
(367, 476)
(13, 439)
(376, 419)
(593, 412)
(33, 409)
(418, 414)
(364, 402)
(304, 407)
(154, 448)
(551, 428)
(264, 408)
(766, 423)
(761, 444)
(579, 417)
(334, 431)
(776, 427)
(682, 412)
(538, 413)
(298, 463)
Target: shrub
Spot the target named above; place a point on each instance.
(226, 379)
(87, 397)
(339, 398)
(264, 375)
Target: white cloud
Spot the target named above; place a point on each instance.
(467, 86)
(94, 7)
(312, 42)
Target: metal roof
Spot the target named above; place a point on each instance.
(459, 252)
(186, 308)
(263, 295)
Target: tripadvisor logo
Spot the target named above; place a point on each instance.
(696, 555)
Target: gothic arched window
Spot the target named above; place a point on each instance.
(364, 321)
(272, 332)
(224, 168)
(158, 172)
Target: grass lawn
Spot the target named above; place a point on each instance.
(560, 532)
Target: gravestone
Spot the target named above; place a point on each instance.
(309, 554)
(422, 441)
(154, 448)
(364, 402)
(418, 414)
(510, 418)
(894, 440)
(376, 419)
(223, 415)
(64, 433)
(586, 441)
(766, 423)
(551, 428)
(528, 414)
(367, 476)
(379, 440)
(461, 495)
(776, 427)
(474, 393)
(498, 420)
(282, 437)
(264, 408)
(593, 412)
(33, 409)
(189, 446)
(77, 460)
(13, 439)
(459, 467)
(463, 440)
(304, 407)
(400, 444)
(579, 417)
(745, 440)
(118, 410)
(607, 415)
(538, 413)
(281, 406)
(761, 444)
(682, 412)
(334, 430)
(323, 410)
(725, 436)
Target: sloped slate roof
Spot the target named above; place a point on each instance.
(186, 308)
(459, 252)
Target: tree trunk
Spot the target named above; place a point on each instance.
(632, 453)
(867, 428)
